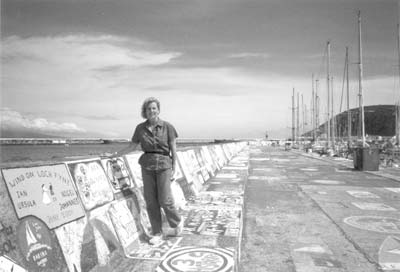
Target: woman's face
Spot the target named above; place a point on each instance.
(152, 110)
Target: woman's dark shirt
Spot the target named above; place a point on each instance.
(155, 144)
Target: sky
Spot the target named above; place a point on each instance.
(221, 69)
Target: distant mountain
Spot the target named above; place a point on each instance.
(23, 133)
(28, 133)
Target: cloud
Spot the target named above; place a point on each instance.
(15, 120)
(103, 117)
(249, 55)
(83, 52)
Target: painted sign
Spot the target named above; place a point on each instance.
(226, 176)
(77, 243)
(202, 163)
(211, 166)
(362, 194)
(328, 182)
(389, 253)
(203, 259)
(184, 166)
(220, 154)
(92, 183)
(8, 265)
(373, 206)
(375, 223)
(46, 192)
(394, 190)
(117, 174)
(135, 168)
(137, 206)
(218, 162)
(105, 238)
(125, 225)
(36, 244)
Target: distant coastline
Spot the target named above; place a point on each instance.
(76, 141)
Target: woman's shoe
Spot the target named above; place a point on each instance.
(156, 239)
(179, 228)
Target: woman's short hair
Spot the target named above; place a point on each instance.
(146, 103)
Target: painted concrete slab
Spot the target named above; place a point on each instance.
(144, 250)
(235, 168)
(212, 222)
(198, 259)
(46, 192)
(328, 182)
(394, 190)
(362, 194)
(226, 176)
(389, 254)
(92, 183)
(381, 224)
(373, 206)
(9, 265)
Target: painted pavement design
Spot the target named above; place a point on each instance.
(144, 250)
(205, 259)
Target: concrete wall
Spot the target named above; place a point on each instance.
(75, 216)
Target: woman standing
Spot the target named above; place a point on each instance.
(158, 141)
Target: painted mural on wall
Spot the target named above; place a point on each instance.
(184, 166)
(46, 192)
(210, 165)
(28, 243)
(89, 243)
(135, 168)
(118, 174)
(37, 245)
(201, 162)
(7, 265)
(125, 225)
(92, 183)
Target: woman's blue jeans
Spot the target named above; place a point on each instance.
(158, 194)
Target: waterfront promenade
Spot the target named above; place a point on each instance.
(264, 209)
(309, 213)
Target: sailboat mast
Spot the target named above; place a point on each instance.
(398, 100)
(348, 98)
(298, 118)
(293, 119)
(316, 107)
(328, 92)
(360, 77)
(333, 116)
(313, 108)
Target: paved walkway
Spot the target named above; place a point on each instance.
(302, 214)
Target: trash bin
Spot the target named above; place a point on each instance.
(366, 159)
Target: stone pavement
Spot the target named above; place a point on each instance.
(302, 214)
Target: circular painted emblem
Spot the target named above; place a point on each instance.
(35, 243)
(203, 259)
(327, 181)
(375, 223)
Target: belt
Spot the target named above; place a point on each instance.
(159, 153)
